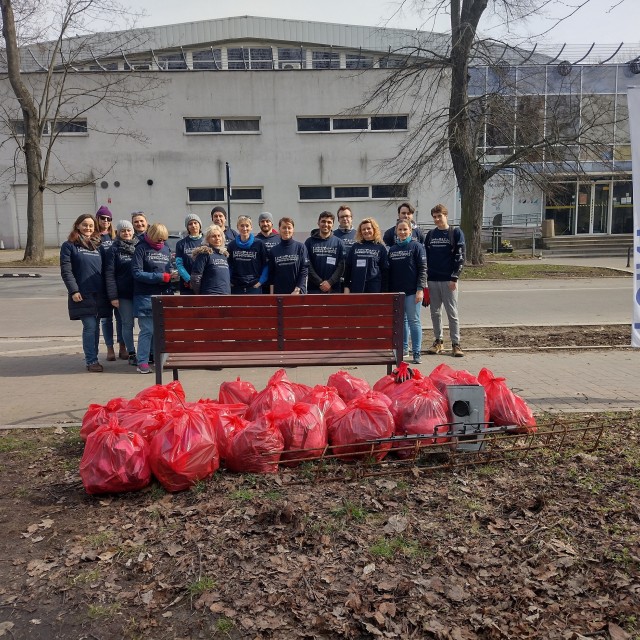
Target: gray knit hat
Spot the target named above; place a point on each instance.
(265, 215)
(190, 217)
(124, 224)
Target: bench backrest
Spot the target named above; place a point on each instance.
(245, 323)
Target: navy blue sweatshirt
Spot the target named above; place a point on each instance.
(407, 267)
(210, 274)
(229, 235)
(81, 269)
(149, 265)
(248, 262)
(348, 237)
(288, 267)
(118, 274)
(444, 262)
(326, 261)
(367, 268)
(184, 262)
(269, 241)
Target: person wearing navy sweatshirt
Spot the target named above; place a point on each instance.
(345, 230)
(405, 212)
(119, 282)
(445, 259)
(326, 257)
(107, 237)
(219, 217)
(210, 274)
(81, 272)
(151, 266)
(367, 265)
(248, 260)
(184, 249)
(268, 236)
(288, 262)
(408, 273)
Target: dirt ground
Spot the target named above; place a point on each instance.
(545, 544)
(536, 338)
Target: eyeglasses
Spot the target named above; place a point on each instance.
(104, 218)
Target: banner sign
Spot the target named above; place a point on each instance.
(634, 121)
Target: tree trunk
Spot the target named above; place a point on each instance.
(472, 200)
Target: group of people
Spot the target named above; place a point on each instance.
(113, 273)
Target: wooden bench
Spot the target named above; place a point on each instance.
(215, 332)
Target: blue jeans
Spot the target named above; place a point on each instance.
(107, 328)
(126, 318)
(145, 338)
(90, 338)
(412, 324)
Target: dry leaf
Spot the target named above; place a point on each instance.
(370, 568)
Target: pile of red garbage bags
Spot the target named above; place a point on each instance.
(158, 433)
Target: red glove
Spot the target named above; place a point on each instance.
(426, 298)
(166, 277)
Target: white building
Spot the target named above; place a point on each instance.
(275, 101)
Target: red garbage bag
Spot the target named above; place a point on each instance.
(114, 460)
(410, 387)
(303, 427)
(300, 390)
(326, 399)
(141, 417)
(226, 422)
(349, 387)
(365, 418)
(278, 389)
(98, 414)
(184, 450)
(505, 407)
(423, 413)
(256, 448)
(164, 396)
(389, 384)
(237, 391)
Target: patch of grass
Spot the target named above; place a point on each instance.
(224, 624)
(243, 495)
(389, 547)
(9, 444)
(199, 486)
(201, 586)
(273, 495)
(87, 577)
(98, 540)
(350, 511)
(502, 271)
(488, 470)
(99, 611)
(157, 491)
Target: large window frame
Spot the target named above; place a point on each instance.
(216, 195)
(197, 125)
(380, 123)
(352, 192)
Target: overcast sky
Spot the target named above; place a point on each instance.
(600, 21)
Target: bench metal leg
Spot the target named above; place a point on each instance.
(175, 374)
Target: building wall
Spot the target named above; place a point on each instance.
(278, 159)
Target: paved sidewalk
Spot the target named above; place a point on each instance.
(46, 389)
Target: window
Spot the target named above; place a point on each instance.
(71, 127)
(219, 194)
(359, 62)
(351, 192)
(391, 63)
(249, 58)
(289, 58)
(105, 66)
(221, 125)
(349, 124)
(62, 127)
(325, 60)
(356, 123)
(209, 59)
(171, 62)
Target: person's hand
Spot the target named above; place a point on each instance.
(166, 277)
(453, 285)
(115, 303)
(77, 297)
(187, 285)
(419, 295)
(257, 285)
(325, 286)
(296, 291)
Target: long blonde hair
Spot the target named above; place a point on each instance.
(377, 234)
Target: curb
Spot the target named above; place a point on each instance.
(20, 275)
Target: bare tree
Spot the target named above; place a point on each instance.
(47, 44)
(486, 133)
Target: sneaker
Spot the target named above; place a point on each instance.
(111, 354)
(405, 353)
(417, 358)
(456, 351)
(96, 367)
(123, 354)
(133, 359)
(144, 368)
(435, 348)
